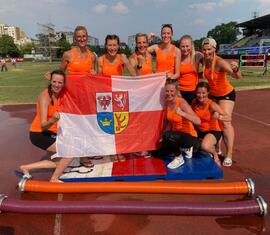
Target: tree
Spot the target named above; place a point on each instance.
(198, 43)
(62, 45)
(28, 48)
(224, 33)
(8, 47)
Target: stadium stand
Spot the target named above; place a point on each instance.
(256, 38)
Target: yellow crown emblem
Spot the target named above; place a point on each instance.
(106, 122)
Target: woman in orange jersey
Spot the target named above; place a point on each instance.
(215, 71)
(179, 131)
(209, 131)
(79, 59)
(189, 63)
(112, 62)
(44, 127)
(167, 55)
(141, 59)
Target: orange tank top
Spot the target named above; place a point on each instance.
(219, 84)
(79, 65)
(165, 61)
(115, 68)
(35, 126)
(188, 78)
(146, 66)
(178, 122)
(208, 122)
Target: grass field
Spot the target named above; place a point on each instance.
(23, 84)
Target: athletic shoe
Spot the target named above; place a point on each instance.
(188, 152)
(176, 162)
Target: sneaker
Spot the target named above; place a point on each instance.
(176, 162)
(188, 152)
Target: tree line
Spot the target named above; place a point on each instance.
(223, 34)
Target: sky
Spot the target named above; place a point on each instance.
(124, 18)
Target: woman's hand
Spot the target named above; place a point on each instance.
(47, 76)
(124, 59)
(55, 117)
(234, 66)
(179, 111)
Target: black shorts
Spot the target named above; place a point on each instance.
(230, 96)
(189, 96)
(43, 139)
(217, 134)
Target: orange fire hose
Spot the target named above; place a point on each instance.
(244, 187)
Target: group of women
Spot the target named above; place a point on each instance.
(188, 110)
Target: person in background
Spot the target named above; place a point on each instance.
(13, 62)
(210, 113)
(167, 55)
(3, 65)
(215, 71)
(44, 127)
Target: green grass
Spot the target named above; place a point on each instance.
(23, 84)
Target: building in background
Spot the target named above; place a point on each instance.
(19, 37)
(92, 41)
(132, 42)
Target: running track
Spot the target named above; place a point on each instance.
(251, 120)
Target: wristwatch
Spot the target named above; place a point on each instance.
(139, 66)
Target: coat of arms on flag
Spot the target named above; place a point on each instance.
(110, 115)
(112, 111)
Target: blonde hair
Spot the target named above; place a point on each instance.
(192, 49)
(211, 42)
(79, 28)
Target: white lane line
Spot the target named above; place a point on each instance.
(251, 119)
(58, 218)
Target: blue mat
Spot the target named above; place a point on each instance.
(200, 167)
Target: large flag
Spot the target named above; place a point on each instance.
(110, 115)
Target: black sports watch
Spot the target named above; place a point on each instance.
(139, 66)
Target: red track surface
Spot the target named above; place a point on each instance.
(251, 159)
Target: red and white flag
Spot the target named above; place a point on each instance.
(110, 115)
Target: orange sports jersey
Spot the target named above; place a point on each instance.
(35, 126)
(188, 78)
(146, 66)
(219, 85)
(115, 68)
(79, 65)
(208, 122)
(178, 122)
(165, 61)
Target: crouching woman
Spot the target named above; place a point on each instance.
(44, 127)
(179, 131)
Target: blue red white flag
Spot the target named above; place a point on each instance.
(110, 115)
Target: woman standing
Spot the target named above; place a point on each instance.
(79, 59)
(190, 62)
(179, 131)
(167, 55)
(44, 127)
(209, 131)
(112, 62)
(215, 71)
(141, 59)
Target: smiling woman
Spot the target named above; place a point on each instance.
(141, 59)
(79, 58)
(167, 55)
(44, 126)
